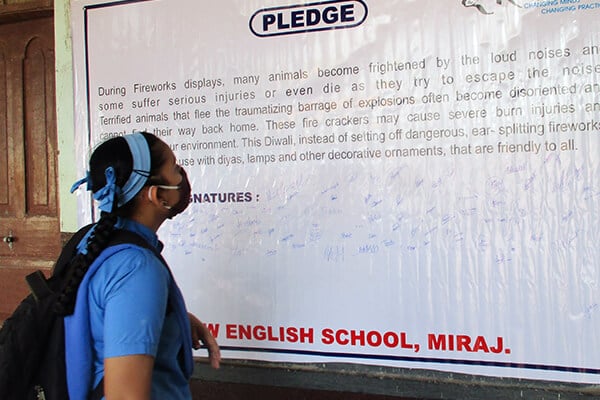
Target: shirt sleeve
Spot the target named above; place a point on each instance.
(134, 288)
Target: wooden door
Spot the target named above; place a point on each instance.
(28, 155)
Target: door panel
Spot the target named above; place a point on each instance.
(4, 164)
(38, 75)
(28, 176)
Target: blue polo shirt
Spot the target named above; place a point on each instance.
(128, 297)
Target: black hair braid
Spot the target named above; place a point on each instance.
(98, 241)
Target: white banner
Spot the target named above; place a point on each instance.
(401, 183)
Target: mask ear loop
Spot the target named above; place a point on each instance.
(165, 205)
(150, 193)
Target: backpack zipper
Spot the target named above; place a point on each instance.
(39, 393)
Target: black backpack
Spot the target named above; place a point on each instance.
(32, 345)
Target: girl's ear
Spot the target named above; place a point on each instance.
(153, 195)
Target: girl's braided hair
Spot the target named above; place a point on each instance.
(111, 153)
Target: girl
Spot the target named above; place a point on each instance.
(129, 334)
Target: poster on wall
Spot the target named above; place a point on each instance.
(399, 183)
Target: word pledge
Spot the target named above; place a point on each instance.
(336, 14)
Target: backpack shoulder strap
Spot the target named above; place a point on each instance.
(123, 236)
(126, 236)
(38, 284)
(69, 250)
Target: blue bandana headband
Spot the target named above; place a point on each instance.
(141, 167)
(140, 151)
